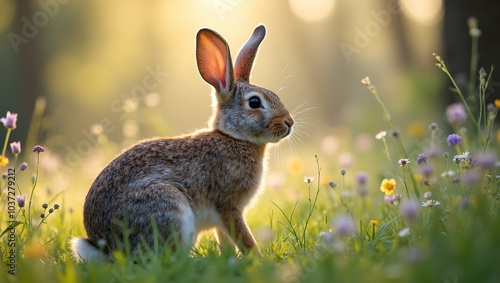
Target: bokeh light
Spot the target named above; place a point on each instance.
(312, 11)
(426, 12)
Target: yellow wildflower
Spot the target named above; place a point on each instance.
(497, 103)
(373, 222)
(3, 160)
(388, 186)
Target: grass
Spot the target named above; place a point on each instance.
(437, 221)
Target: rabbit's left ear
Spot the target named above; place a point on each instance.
(214, 61)
(246, 56)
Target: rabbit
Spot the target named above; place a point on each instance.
(184, 185)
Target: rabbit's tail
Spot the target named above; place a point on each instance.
(84, 250)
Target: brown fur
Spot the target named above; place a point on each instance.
(208, 177)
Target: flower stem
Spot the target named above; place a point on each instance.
(32, 191)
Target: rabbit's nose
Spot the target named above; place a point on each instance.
(288, 120)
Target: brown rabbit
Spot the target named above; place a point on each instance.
(196, 182)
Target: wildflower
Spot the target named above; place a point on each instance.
(410, 208)
(362, 177)
(388, 186)
(56, 206)
(403, 161)
(9, 121)
(453, 140)
(456, 114)
(426, 182)
(427, 195)
(455, 180)
(471, 162)
(342, 172)
(497, 103)
(381, 135)
(366, 81)
(344, 225)
(327, 236)
(471, 178)
(21, 200)
(38, 149)
(373, 222)
(45, 206)
(446, 154)
(461, 157)
(51, 210)
(433, 126)
(308, 179)
(475, 32)
(392, 199)
(426, 169)
(403, 233)
(430, 203)
(15, 147)
(422, 158)
(362, 188)
(486, 160)
(332, 184)
(3, 160)
(42, 215)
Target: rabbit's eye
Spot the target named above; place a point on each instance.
(254, 102)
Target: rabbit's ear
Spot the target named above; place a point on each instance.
(246, 56)
(214, 60)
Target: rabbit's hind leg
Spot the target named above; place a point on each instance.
(163, 213)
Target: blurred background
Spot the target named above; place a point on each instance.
(104, 74)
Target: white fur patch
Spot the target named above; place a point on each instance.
(82, 250)
(207, 218)
(188, 225)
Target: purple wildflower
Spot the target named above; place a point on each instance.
(362, 188)
(486, 160)
(38, 149)
(344, 225)
(422, 158)
(456, 114)
(21, 200)
(9, 121)
(362, 178)
(23, 166)
(392, 199)
(15, 147)
(426, 169)
(454, 140)
(471, 178)
(410, 209)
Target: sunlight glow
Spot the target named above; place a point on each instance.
(426, 12)
(312, 11)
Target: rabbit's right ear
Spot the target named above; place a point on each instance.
(214, 62)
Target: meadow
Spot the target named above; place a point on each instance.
(420, 210)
